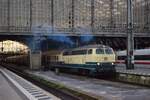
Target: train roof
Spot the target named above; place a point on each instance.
(136, 52)
(72, 49)
(91, 46)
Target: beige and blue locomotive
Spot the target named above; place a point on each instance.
(91, 59)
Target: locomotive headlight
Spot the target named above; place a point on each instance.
(112, 63)
(98, 63)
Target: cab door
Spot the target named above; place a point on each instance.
(109, 55)
(89, 56)
(100, 54)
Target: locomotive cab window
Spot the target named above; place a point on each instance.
(100, 51)
(108, 51)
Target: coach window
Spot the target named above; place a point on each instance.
(49, 58)
(90, 51)
(99, 51)
(56, 58)
(121, 57)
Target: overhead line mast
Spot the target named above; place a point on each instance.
(130, 36)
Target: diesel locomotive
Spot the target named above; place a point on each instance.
(91, 59)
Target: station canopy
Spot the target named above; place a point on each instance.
(72, 16)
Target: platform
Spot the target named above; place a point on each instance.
(27, 90)
(138, 70)
(99, 88)
(140, 75)
(7, 91)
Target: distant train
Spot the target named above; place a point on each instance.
(91, 59)
(18, 60)
(141, 57)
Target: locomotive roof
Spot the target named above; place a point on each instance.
(91, 46)
(79, 48)
(95, 46)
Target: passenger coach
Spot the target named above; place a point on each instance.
(141, 57)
